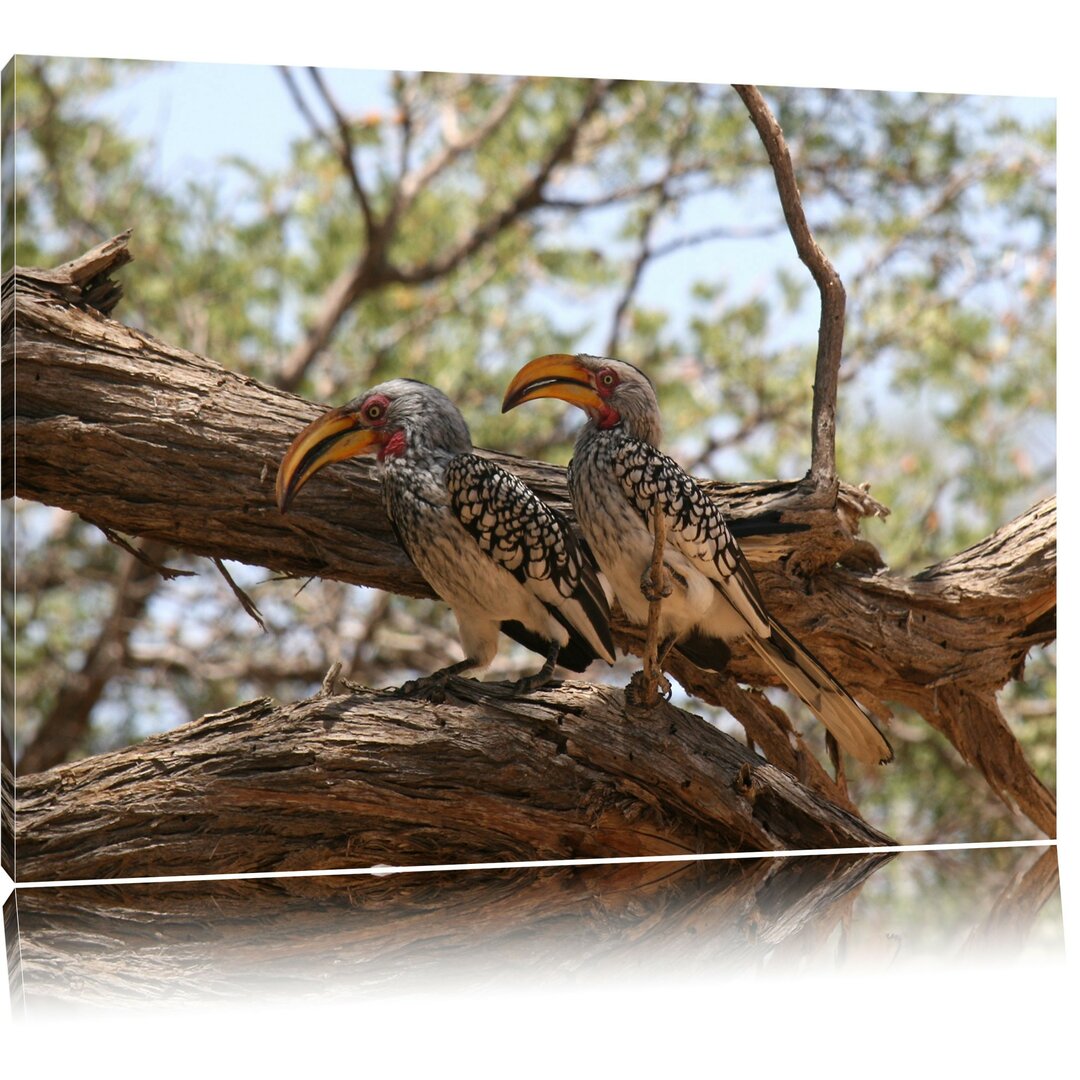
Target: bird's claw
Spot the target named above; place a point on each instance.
(430, 689)
(528, 683)
(651, 589)
(639, 692)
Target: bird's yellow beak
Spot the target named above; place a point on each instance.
(557, 375)
(334, 436)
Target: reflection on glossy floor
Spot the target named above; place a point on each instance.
(110, 947)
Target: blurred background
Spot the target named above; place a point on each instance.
(659, 239)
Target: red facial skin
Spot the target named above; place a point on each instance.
(393, 446)
(606, 383)
(373, 413)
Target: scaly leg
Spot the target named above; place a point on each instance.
(542, 677)
(433, 686)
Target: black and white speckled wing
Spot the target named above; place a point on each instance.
(696, 528)
(525, 536)
(695, 525)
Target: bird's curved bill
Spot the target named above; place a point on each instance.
(557, 375)
(334, 436)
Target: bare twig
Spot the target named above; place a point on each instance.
(245, 601)
(167, 572)
(301, 104)
(630, 192)
(637, 270)
(720, 232)
(833, 297)
(344, 150)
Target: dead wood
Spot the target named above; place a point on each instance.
(830, 286)
(363, 779)
(146, 439)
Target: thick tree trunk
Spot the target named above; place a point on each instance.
(361, 779)
(146, 439)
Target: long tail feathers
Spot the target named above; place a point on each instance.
(850, 725)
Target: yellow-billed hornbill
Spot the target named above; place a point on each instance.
(616, 477)
(486, 544)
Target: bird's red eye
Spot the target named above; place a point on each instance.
(606, 379)
(374, 410)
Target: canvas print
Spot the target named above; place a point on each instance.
(429, 469)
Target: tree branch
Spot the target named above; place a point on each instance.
(650, 216)
(528, 197)
(831, 327)
(343, 149)
(372, 271)
(414, 182)
(365, 778)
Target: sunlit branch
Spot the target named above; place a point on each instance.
(831, 327)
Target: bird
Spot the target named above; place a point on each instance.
(616, 477)
(485, 542)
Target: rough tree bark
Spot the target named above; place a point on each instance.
(359, 779)
(146, 439)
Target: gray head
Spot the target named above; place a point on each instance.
(407, 416)
(612, 392)
(401, 418)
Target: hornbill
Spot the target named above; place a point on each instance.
(616, 477)
(499, 556)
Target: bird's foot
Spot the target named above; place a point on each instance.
(654, 590)
(639, 691)
(544, 676)
(432, 687)
(529, 683)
